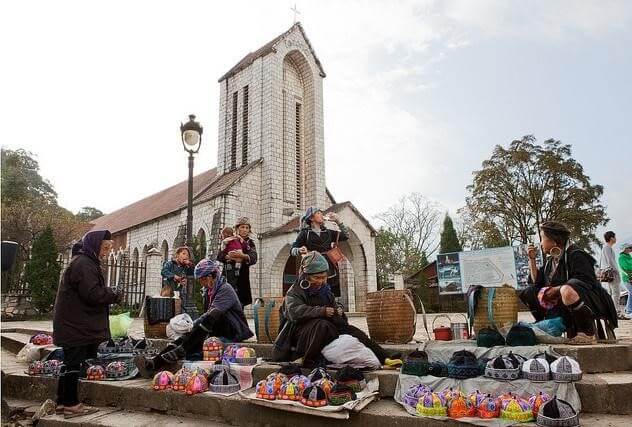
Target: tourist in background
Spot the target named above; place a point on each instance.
(566, 286)
(80, 321)
(237, 263)
(315, 236)
(625, 264)
(609, 271)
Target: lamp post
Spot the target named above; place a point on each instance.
(191, 132)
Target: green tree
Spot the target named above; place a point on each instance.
(42, 271)
(390, 258)
(88, 213)
(449, 241)
(520, 187)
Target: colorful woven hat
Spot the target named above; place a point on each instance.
(416, 363)
(245, 356)
(36, 368)
(352, 377)
(516, 409)
(412, 395)
(230, 352)
(476, 398)
(318, 374)
(505, 367)
(314, 396)
(197, 384)
(565, 369)
(52, 367)
(521, 334)
(438, 369)
(265, 390)
(459, 407)
(557, 412)
(277, 379)
(325, 383)
(537, 400)
(41, 339)
(341, 394)
(212, 349)
(223, 382)
(462, 365)
(95, 373)
(536, 370)
(181, 378)
(431, 404)
(300, 383)
(489, 407)
(288, 391)
(488, 337)
(163, 380)
(117, 369)
(451, 393)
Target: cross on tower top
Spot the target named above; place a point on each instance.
(296, 12)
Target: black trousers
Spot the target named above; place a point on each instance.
(68, 382)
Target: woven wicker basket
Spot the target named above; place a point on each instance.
(391, 316)
(267, 313)
(159, 330)
(504, 309)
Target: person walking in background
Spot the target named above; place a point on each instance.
(81, 321)
(609, 271)
(625, 265)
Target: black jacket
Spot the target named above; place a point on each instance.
(321, 242)
(240, 283)
(82, 305)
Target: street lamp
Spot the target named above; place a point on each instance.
(191, 132)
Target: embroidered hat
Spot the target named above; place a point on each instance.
(289, 391)
(412, 395)
(341, 394)
(314, 396)
(212, 349)
(229, 354)
(537, 400)
(450, 393)
(181, 378)
(489, 407)
(41, 339)
(163, 380)
(438, 369)
(265, 390)
(546, 356)
(223, 382)
(117, 369)
(197, 384)
(557, 412)
(431, 404)
(488, 337)
(536, 370)
(460, 407)
(566, 369)
(476, 398)
(318, 374)
(245, 356)
(277, 379)
(521, 335)
(52, 367)
(505, 367)
(326, 384)
(95, 373)
(516, 409)
(352, 377)
(416, 363)
(462, 365)
(299, 384)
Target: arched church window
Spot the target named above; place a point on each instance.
(299, 156)
(244, 128)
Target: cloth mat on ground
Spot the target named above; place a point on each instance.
(364, 397)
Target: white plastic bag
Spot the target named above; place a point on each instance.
(179, 325)
(29, 353)
(347, 350)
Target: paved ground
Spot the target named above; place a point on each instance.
(136, 330)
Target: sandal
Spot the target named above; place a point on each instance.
(582, 339)
(80, 412)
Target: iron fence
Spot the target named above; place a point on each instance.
(130, 275)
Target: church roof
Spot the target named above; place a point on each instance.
(267, 48)
(293, 225)
(170, 200)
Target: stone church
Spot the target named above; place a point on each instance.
(271, 167)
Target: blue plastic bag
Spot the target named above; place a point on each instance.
(554, 327)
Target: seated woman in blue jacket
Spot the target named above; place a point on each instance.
(310, 318)
(223, 318)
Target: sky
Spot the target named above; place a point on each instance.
(416, 96)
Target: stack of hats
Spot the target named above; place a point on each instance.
(521, 334)
(52, 367)
(198, 383)
(245, 356)
(462, 365)
(412, 395)
(489, 407)
(41, 339)
(212, 349)
(566, 369)
(181, 378)
(314, 396)
(117, 369)
(223, 382)
(537, 400)
(163, 380)
(95, 373)
(438, 369)
(516, 409)
(505, 367)
(351, 377)
(416, 363)
(536, 370)
(341, 394)
(431, 404)
(557, 412)
(488, 337)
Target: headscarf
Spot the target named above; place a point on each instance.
(207, 267)
(90, 243)
(306, 219)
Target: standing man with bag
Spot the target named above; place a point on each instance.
(609, 271)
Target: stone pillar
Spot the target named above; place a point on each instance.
(153, 279)
(398, 281)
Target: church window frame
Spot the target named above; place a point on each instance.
(244, 126)
(233, 141)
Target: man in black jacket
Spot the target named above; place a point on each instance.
(81, 319)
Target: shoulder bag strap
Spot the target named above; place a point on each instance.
(491, 293)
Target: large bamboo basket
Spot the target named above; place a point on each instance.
(504, 309)
(159, 330)
(391, 316)
(267, 314)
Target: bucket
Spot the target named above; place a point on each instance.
(442, 333)
(460, 330)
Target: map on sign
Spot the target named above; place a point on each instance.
(488, 267)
